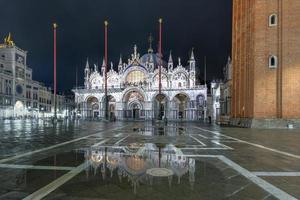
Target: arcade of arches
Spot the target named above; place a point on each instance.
(134, 105)
(135, 93)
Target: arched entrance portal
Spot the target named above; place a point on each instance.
(181, 104)
(134, 104)
(136, 109)
(92, 107)
(19, 109)
(160, 104)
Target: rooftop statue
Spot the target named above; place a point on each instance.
(8, 40)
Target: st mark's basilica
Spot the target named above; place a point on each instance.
(133, 90)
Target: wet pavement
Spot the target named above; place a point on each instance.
(142, 160)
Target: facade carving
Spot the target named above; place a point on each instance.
(20, 95)
(133, 89)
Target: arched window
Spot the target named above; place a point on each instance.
(135, 76)
(273, 20)
(272, 62)
(200, 100)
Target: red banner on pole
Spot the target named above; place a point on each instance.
(160, 53)
(54, 63)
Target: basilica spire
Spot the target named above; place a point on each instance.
(192, 55)
(103, 63)
(179, 61)
(192, 62)
(103, 66)
(95, 68)
(170, 58)
(170, 62)
(120, 64)
(135, 50)
(111, 66)
(87, 66)
(86, 72)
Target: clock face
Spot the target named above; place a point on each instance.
(19, 89)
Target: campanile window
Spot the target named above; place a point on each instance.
(273, 20)
(272, 61)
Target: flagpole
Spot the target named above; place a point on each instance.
(205, 106)
(160, 53)
(76, 82)
(54, 63)
(205, 70)
(105, 58)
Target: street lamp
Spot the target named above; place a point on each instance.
(42, 109)
(29, 110)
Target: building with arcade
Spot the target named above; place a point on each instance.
(133, 89)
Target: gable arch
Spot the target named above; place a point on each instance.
(180, 79)
(133, 68)
(180, 92)
(133, 89)
(164, 79)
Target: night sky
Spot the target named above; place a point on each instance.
(202, 24)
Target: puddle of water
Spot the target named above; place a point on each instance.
(149, 171)
(153, 171)
(141, 171)
(73, 158)
(160, 131)
(134, 171)
(19, 183)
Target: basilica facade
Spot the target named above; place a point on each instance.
(133, 90)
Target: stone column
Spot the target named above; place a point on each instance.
(84, 115)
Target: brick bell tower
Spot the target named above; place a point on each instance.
(266, 63)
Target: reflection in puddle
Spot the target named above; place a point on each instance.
(160, 131)
(140, 164)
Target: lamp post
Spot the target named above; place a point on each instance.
(29, 109)
(42, 112)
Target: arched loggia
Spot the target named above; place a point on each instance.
(160, 106)
(92, 107)
(180, 102)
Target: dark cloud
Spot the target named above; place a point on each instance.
(202, 24)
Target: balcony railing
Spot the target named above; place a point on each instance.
(82, 89)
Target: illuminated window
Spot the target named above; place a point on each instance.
(135, 77)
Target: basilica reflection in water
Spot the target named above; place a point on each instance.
(140, 164)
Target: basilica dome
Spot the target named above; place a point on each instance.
(156, 59)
